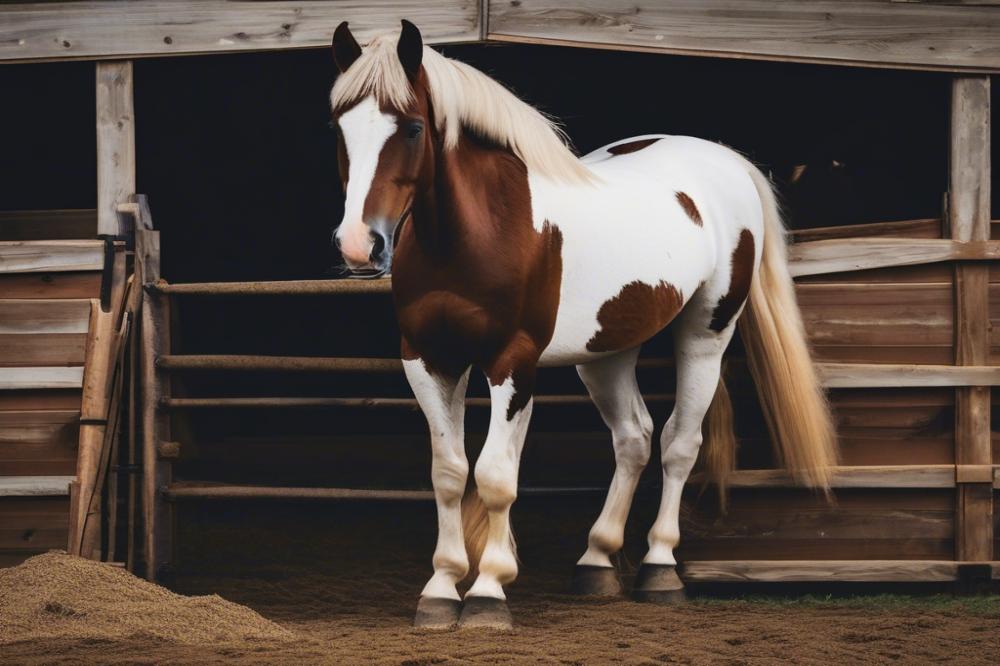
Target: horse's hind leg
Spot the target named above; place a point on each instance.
(442, 400)
(612, 385)
(698, 353)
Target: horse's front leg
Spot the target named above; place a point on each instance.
(442, 399)
(496, 481)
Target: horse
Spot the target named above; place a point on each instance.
(509, 253)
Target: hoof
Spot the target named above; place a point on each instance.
(485, 613)
(658, 584)
(594, 581)
(437, 613)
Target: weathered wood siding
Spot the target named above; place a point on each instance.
(109, 29)
(874, 32)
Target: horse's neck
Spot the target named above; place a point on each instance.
(479, 192)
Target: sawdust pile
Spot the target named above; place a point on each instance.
(58, 596)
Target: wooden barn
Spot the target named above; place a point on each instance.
(139, 390)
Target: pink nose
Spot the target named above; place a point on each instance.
(355, 244)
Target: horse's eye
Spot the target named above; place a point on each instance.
(414, 130)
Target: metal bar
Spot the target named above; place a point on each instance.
(276, 288)
(182, 491)
(406, 403)
(277, 363)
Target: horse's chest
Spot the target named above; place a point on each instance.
(450, 331)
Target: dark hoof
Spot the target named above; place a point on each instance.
(485, 613)
(594, 581)
(437, 613)
(658, 584)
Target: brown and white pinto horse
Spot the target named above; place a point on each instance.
(509, 253)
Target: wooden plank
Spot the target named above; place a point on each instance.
(278, 288)
(48, 224)
(34, 486)
(922, 228)
(863, 33)
(874, 476)
(24, 316)
(871, 319)
(51, 256)
(38, 442)
(93, 410)
(108, 29)
(969, 220)
(855, 254)
(816, 549)
(831, 523)
(43, 332)
(42, 349)
(860, 375)
(55, 399)
(70, 284)
(40, 378)
(115, 143)
(840, 571)
(277, 363)
(155, 341)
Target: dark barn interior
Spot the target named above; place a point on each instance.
(238, 159)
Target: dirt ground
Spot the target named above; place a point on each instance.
(344, 580)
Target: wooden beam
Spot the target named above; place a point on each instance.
(157, 474)
(34, 486)
(51, 256)
(277, 288)
(834, 571)
(922, 228)
(17, 379)
(868, 33)
(195, 490)
(109, 29)
(277, 363)
(886, 375)
(24, 316)
(873, 476)
(115, 142)
(48, 224)
(858, 254)
(969, 220)
(365, 403)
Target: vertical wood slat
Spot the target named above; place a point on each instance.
(115, 142)
(157, 515)
(969, 220)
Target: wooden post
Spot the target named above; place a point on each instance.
(969, 220)
(115, 143)
(158, 519)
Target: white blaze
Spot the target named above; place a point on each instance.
(365, 130)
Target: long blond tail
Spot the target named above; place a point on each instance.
(476, 528)
(794, 405)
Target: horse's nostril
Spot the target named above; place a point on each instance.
(378, 246)
(336, 241)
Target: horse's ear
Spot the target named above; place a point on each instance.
(345, 48)
(410, 49)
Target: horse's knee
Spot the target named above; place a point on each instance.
(632, 451)
(496, 483)
(449, 474)
(679, 454)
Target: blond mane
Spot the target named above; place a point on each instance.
(462, 97)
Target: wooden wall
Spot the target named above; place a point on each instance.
(49, 273)
(876, 33)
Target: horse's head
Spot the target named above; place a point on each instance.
(384, 145)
